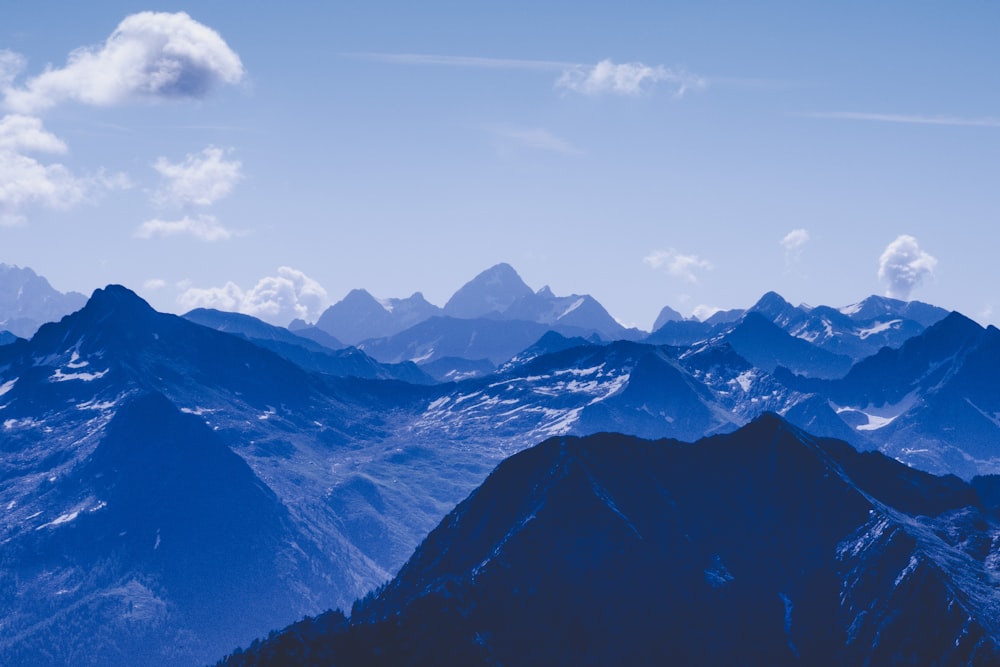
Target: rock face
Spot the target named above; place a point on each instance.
(762, 547)
(27, 301)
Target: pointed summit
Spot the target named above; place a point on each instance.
(490, 293)
(667, 314)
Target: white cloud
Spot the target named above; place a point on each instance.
(604, 77)
(149, 56)
(204, 227)
(676, 264)
(625, 79)
(793, 242)
(26, 180)
(276, 299)
(703, 312)
(11, 64)
(201, 178)
(540, 140)
(154, 284)
(25, 133)
(903, 265)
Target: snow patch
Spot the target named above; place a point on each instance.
(61, 519)
(853, 309)
(7, 386)
(576, 304)
(75, 362)
(423, 357)
(878, 328)
(744, 379)
(59, 376)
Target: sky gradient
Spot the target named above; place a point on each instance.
(694, 155)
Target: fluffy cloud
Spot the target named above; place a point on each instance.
(26, 134)
(676, 264)
(276, 299)
(903, 265)
(154, 284)
(793, 242)
(25, 180)
(149, 56)
(703, 312)
(204, 227)
(625, 79)
(200, 179)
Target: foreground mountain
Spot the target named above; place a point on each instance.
(27, 300)
(159, 475)
(762, 547)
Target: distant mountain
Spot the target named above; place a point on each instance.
(767, 346)
(582, 312)
(762, 547)
(360, 316)
(489, 294)
(932, 403)
(473, 339)
(7, 337)
(27, 301)
(306, 352)
(857, 331)
(667, 314)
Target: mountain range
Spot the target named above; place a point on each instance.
(137, 447)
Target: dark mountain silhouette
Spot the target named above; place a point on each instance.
(762, 547)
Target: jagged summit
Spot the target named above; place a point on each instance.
(491, 292)
(27, 300)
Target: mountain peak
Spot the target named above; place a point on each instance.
(491, 292)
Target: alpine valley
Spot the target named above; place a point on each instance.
(172, 487)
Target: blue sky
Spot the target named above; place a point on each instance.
(271, 158)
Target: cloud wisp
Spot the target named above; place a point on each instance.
(903, 265)
(677, 264)
(906, 119)
(538, 139)
(605, 77)
(278, 299)
(150, 56)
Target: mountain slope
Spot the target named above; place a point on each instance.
(761, 547)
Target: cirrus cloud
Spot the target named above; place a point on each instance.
(903, 265)
(150, 56)
(677, 264)
(279, 299)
